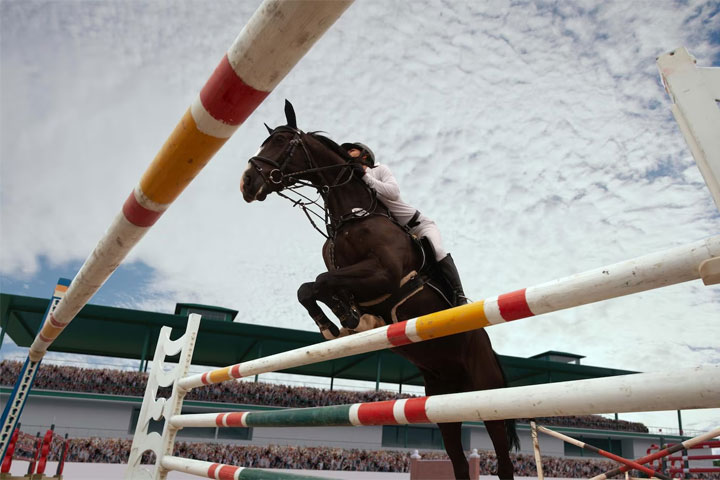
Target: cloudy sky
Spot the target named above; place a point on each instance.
(536, 134)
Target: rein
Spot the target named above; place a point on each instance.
(291, 181)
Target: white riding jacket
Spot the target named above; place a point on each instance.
(381, 179)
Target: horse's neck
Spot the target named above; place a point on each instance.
(344, 200)
(344, 196)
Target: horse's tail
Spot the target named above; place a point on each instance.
(510, 424)
(512, 436)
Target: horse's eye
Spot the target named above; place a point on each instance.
(278, 140)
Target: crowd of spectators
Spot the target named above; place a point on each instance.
(122, 382)
(119, 382)
(590, 421)
(111, 450)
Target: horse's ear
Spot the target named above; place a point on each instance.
(290, 114)
(270, 130)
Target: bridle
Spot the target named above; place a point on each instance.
(279, 178)
(277, 175)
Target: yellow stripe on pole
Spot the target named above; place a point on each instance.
(51, 332)
(220, 375)
(455, 320)
(180, 159)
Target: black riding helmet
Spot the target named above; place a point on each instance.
(364, 152)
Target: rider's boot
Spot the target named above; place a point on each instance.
(449, 271)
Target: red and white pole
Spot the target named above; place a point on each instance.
(45, 449)
(277, 36)
(7, 461)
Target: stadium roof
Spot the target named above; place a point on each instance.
(132, 334)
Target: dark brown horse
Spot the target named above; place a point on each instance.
(368, 256)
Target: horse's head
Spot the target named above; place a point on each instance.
(281, 154)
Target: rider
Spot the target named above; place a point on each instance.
(381, 179)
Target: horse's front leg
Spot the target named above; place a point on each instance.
(366, 279)
(308, 298)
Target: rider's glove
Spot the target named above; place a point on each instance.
(358, 170)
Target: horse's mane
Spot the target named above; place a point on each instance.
(331, 145)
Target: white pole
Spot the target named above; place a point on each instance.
(698, 387)
(694, 91)
(655, 270)
(685, 389)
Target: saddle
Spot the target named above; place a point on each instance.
(384, 309)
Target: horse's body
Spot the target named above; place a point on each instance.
(368, 256)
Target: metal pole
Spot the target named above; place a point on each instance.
(259, 354)
(61, 460)
(6, 316)
(146, 344)
(680, 428)
(379, 371)
(686, 462)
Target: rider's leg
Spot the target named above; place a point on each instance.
(449, 271)
(427, 228)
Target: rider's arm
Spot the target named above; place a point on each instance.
(383, 181)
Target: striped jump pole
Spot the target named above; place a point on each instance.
(695, 457)
(219, 471)
(712, 444)
(604, 453)
(10, 418)
(686, 445)
(273, 41)
(695, 470)
(676, 265)
(698, 387)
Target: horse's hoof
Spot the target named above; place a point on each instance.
(329, 331)
(333, 329)
(327, 335)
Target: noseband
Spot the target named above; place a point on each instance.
(278, 175)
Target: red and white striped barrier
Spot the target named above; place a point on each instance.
(218, 471)
(681, 463)
(651, 271)
(696, 470)
(277, 36)
(651, 457)
(697, 387)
